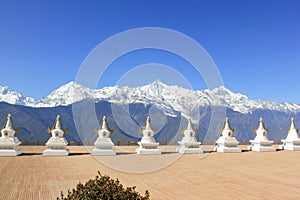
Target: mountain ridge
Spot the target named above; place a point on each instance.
(168, 98)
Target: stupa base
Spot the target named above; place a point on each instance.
(226, 149)
(189, 149)
(56, 152)
(148, 148)
(290, 146)
(10, 152)
(148, 151)
(261, 148)
(103, 152)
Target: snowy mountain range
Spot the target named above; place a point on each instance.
(35, 116)
(168, 98)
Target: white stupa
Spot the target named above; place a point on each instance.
(261, 141)
(189, 143)
(57, 143)
(226, 142)
(148, 145)
(292, 140)
(8, 141)
(104, 145)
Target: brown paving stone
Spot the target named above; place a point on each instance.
(247, 175)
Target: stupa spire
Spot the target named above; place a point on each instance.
(261, 126)
(104, 128)
(57, 123)
(293, 126)
(8, 123)
(148, 125)
(104, 124)
(190, 125)
(227, 126)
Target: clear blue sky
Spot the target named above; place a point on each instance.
(255, 44)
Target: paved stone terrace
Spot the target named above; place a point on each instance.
(246, 175)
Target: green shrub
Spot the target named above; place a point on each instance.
(103, 187)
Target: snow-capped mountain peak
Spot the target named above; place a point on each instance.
(69, 85)
(168, 98)
(222, 90)
(4, 90)
(13, 97)
(65, 95)
(155, 88)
